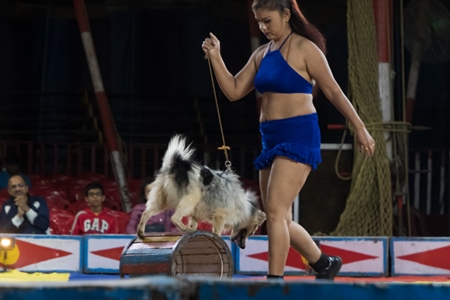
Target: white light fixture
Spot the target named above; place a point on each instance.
(6, 244)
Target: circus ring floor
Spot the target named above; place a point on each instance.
(50, 258)
(21, 285)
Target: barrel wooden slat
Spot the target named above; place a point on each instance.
(143, 246)
(146, 269)
(193, 253)
(160, 239)
(207, 268)
(198, 242)
(143, 258)
(201, 259)
(205, 250)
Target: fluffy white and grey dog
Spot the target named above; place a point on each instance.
(202, 194)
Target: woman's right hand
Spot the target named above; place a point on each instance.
(211, 46)
(366, 142)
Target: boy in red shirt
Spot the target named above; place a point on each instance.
(96, 218)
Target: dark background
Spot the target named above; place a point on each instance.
(158, 83)
(149, 55)
(149, 52)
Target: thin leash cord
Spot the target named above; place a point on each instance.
(224, 146)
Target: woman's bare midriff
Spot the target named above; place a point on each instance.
(275, 106)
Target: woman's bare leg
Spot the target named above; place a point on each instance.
(301, 240)
(279, 187)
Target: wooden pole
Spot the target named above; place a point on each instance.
(103, 104)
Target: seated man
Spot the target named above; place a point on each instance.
(22, 212)
(96, 218)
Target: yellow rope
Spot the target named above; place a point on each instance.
(224, 146)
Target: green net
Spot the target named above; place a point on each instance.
(368, 210)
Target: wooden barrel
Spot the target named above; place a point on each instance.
(174, 254)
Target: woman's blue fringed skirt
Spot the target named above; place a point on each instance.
(297, 138)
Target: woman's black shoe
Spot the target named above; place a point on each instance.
(331, 271)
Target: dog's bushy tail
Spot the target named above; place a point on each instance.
(177, 151)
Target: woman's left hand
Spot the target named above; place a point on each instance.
(365, 141)
(211, 46)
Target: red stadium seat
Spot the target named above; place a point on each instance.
(90, 177)
(48, 191)
(60, 178)
(34, 177)
(134, 198)
(76, 193)
(113, 204)
(56, 201)
(134, 185)
(112, 193)
(122, 220)
(77, 206)
(39, 180)
(200, 226)
(204, 226)
(2, 200)
(59, 210)
(109, 184)
(65, 229)
(4, 193)
(58, 221)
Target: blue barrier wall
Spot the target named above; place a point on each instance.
(160, 287)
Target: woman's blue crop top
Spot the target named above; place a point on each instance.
(277, 76)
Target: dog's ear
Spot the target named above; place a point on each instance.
(260, 217)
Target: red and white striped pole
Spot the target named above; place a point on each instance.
(103, 104)
(382, 13)
(383, 17)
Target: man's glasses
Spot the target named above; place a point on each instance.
(98, 194)
(19, 185)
